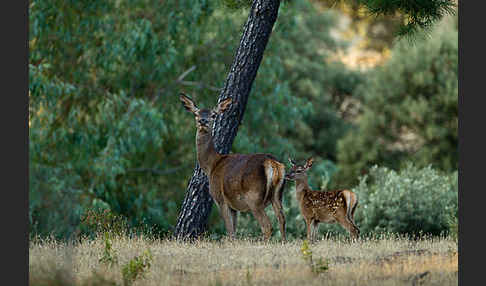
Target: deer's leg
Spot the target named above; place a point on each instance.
(278, 209)
(234, 216)
(309, 235)
(228, 219)
(264, 221)
(351, 218)
(351, 204)
(348, 225)
(354, 209)
(315, 227)
(355, 232)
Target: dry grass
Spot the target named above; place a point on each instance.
(387, 261)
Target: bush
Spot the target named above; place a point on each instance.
(409, 109)
(136, 267)
(453, 224)
(414, 200)
(97, 221)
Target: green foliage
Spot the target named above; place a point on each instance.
(99, 133)
(93, 160)
(453, 224)
(414, 200)
(316, 267)
(236, 4)
(109, 256)
(106, 127)
(107, 131)
(136, 267)
(421, 14)
(103, 222)
(299, 95)
(133, 269)
(409, 109)
(248, 277)
(217, 282)
(320, 84)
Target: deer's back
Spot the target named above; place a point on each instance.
(322, 204)
(241, 177)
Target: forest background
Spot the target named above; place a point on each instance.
(107, 131)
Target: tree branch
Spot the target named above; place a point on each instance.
(183, 75)
(199, 84)
(180, 80)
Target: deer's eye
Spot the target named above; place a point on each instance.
(213, 116)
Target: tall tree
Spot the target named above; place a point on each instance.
(197, 203)
(263, 14)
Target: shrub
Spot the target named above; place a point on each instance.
(453, 224)
(96, 221)
(316, 267)
(413, 200)
(109, 256)
(136, 267)
(409, 109)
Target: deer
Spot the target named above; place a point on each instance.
(238, 182)
(322, 206)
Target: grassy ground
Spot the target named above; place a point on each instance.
(385, 261)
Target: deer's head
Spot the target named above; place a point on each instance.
(298, 171)
(204, 117)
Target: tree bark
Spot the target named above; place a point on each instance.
(197, 204)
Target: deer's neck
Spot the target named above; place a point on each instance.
(301, 187)
(207, 156)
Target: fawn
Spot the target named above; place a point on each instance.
(320, 206)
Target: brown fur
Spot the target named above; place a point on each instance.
(318, 206)
(238, 182)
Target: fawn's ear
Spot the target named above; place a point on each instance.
(309, 162)
(188, 103)
(292, 163)
(223, 105)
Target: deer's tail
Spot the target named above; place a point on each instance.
(351, 204)
(275, 174)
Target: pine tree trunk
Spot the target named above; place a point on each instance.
(197, 203)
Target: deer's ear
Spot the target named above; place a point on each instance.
(223, 105)
(292, 163)
(309, 162)
(188, 103)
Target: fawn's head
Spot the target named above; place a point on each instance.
(298, 171)
(204, 117)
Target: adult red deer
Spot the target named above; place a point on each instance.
(238, 182)
(320, 206)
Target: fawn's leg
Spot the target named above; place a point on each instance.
(348, 225)
(309, 231)
(351, 219)
(315, 226)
